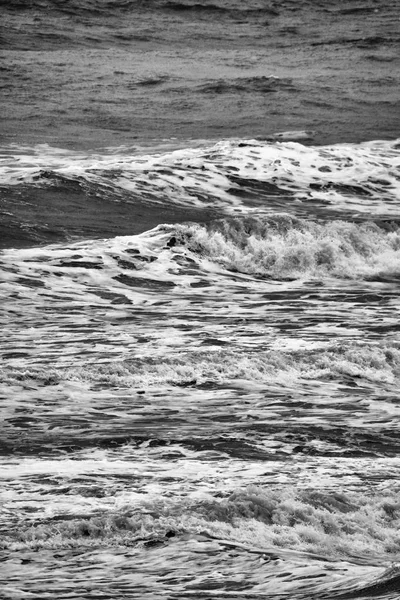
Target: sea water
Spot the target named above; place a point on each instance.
(200, 343)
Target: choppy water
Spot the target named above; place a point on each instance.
(95, 72)
(200, 341)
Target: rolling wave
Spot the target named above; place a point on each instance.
(377, 364)
(213, 554)
(234, 177)
(284, 247)
(321, 524)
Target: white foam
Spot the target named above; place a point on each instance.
(362, 178)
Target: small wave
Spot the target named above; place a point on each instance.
(289, 136)
(233, 10)
(193, 7)
(360, 42)
(356, 10)
(263, 85)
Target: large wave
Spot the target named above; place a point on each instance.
(283, 246)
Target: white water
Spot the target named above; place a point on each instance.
(206, 411)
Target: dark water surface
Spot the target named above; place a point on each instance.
(95, 73)
(199, 281)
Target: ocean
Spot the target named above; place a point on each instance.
(200, 268)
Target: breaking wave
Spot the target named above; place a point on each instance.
(353, 526)
(284, 247)
(373, 363)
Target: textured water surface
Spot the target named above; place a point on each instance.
(199, 280)
(206, 410)
(87, 74)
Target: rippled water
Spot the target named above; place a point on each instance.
(200, 266)
(95, 73)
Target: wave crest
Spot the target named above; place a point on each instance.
(356, 527)
(378, 364)
(284, 246)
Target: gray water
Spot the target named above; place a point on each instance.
(200, 351)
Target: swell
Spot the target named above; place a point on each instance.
(230, 177)
(64, 209)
